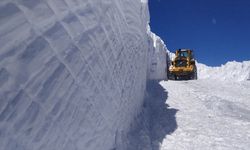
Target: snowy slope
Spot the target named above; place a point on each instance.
(231, 71)
(72, 73)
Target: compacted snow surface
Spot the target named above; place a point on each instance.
(211, 115)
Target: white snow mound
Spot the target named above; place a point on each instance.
(231, 71)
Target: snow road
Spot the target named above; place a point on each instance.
(211, 115)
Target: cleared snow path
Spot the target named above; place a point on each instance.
(212, 115)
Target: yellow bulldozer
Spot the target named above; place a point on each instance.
(183, 66)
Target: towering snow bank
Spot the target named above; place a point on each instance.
(232, 71)
(72, 73)
(158, 58)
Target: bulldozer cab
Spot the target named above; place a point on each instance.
(182, 53)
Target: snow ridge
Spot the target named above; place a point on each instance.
(231, 71)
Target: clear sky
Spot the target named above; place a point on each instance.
(217, 30)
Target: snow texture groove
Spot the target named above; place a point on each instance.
(72, 73)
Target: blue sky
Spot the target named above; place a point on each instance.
(217, 30)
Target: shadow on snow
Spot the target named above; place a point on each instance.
(155, 122)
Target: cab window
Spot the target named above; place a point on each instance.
(183, 54)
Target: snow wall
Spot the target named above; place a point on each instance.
(158, 57)
(231, 71)
(73, 73)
